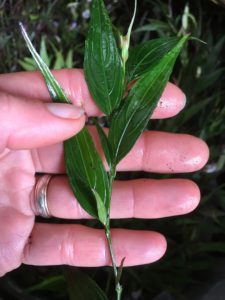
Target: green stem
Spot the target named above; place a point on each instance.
(108, 236)
(118, 286)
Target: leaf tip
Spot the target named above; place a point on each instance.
(193, 38)
(22, 29)
(24, 33)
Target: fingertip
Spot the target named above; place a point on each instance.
(157, 246)
(71, 116)
(172, 101)
(199, 153)
(169, 152)
(190, 197)
(139, 247)
(205, 153)
(78, 125)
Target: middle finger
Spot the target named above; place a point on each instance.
(154, 151)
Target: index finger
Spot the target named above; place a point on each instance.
(32, 86)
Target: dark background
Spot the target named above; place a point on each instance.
(194, 265)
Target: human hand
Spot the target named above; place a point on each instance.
(31, 142)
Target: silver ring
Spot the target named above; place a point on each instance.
(40, 196)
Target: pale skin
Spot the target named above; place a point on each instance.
(32, 129)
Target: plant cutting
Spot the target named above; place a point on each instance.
(126, 85)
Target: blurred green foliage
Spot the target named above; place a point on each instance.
(194, 266)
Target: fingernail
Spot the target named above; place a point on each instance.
(65, 111)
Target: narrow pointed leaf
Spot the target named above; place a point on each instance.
(56, 92)
(51, 283)
(59, 62)
(120, 270)
(133, 116)
(86, 172)
(28, 65)
(69, 59)
(102, 213)
(81, 286)
(102, 63)
(125, 40)
(84, 166)
(43, 52)
(144, 56)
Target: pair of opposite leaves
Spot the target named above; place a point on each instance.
(149, 65)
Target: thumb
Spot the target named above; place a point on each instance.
(26, 124)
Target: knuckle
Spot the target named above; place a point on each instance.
(67, 249)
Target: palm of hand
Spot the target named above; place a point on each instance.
(16, 216)
(28, 123)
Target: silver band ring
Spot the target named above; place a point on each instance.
(40, 196)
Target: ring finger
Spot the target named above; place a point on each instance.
(142, 198)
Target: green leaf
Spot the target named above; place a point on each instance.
(125, 40)
(210, 247)
(86, 172)
(102, 62)
(59, 60)
(81, 286)
(43, 52)
(102, 213)
(155, 25)
(84, 166)
(131, 119)
(54, 88)
(53, 283)
(144, 56)
(120, 270)
(28, 64)
(105, 144)
(69, 59)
